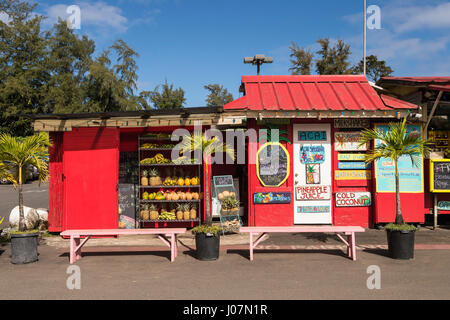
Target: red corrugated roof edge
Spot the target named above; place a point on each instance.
(312, 92)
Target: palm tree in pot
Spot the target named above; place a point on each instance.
(207, 236)
(393, 144)
(16, 156)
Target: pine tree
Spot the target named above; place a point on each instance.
(166, 97)
(375, 69)
(333, 59)
(301, 60)
(218, 96)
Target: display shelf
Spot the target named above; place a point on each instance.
(148, 221)
(195, 171)
(169, 201)
(170, 187)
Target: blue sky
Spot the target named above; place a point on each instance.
(197, 42)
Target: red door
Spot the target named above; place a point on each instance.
(90, 166)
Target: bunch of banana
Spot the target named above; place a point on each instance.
(169, 182)
(167, 146)
(146, 161)
(166, 215)
(149, 146)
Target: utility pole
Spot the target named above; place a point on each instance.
(258, 60)
(365, 35)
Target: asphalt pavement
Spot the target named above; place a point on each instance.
(279, 275)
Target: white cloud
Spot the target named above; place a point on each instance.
(413, 18)
(98, 14)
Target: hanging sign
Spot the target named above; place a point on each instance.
(272, 164)
(351, 157)
(272, 198)
(353, 175)
(444, 205)
(313, 193)
(354, 165)
(440, 176)
(351, 123)
(411, 177)
(312, 154)
(312, 136)
(353, 199)
(313, 209)
(348, 141)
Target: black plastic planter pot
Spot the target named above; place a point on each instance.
(208, 246)
(24, 248)
(401, 244)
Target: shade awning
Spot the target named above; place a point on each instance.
(312, 93)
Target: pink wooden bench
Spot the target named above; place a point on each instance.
(347, 231)
(167, 235)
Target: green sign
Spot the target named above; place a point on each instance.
(312, 136)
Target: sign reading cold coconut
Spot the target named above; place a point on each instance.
(272, 164)
(353, 199)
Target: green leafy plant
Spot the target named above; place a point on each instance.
(200, 143)
(230, 203)
(206, 229)
(395, 143)
(400, 227)
(16, 155)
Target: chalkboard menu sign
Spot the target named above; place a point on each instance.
(440, 176)
(272, 164)
(128, 193)
(225, 181)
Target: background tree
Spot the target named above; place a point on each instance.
(22, 72)
(301, 60)
(218, 96)
(375, 69)
(333, 59)
(68, 62)
(166, 97)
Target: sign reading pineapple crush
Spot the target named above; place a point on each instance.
(348, 141)
(313, 193)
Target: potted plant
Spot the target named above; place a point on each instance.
(207, 242)
(394, 144)
(16, 155)
(207, 236)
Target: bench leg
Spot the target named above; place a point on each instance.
(176, 246)
(251, 246)
(353, 243)
(172, 247)
(75, 250)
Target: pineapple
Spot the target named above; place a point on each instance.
(186, 212)
(155, 179)
(179, 212)
(144, 179)
(193, 212)
(153, 212)
(145, 215)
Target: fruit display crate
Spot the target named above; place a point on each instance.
(149, 221)
(171, 187)
(169, 201)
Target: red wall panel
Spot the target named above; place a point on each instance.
(55, 187)
(90, 166)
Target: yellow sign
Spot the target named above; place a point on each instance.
(352, 174)
(351, 157)
(440, 176)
